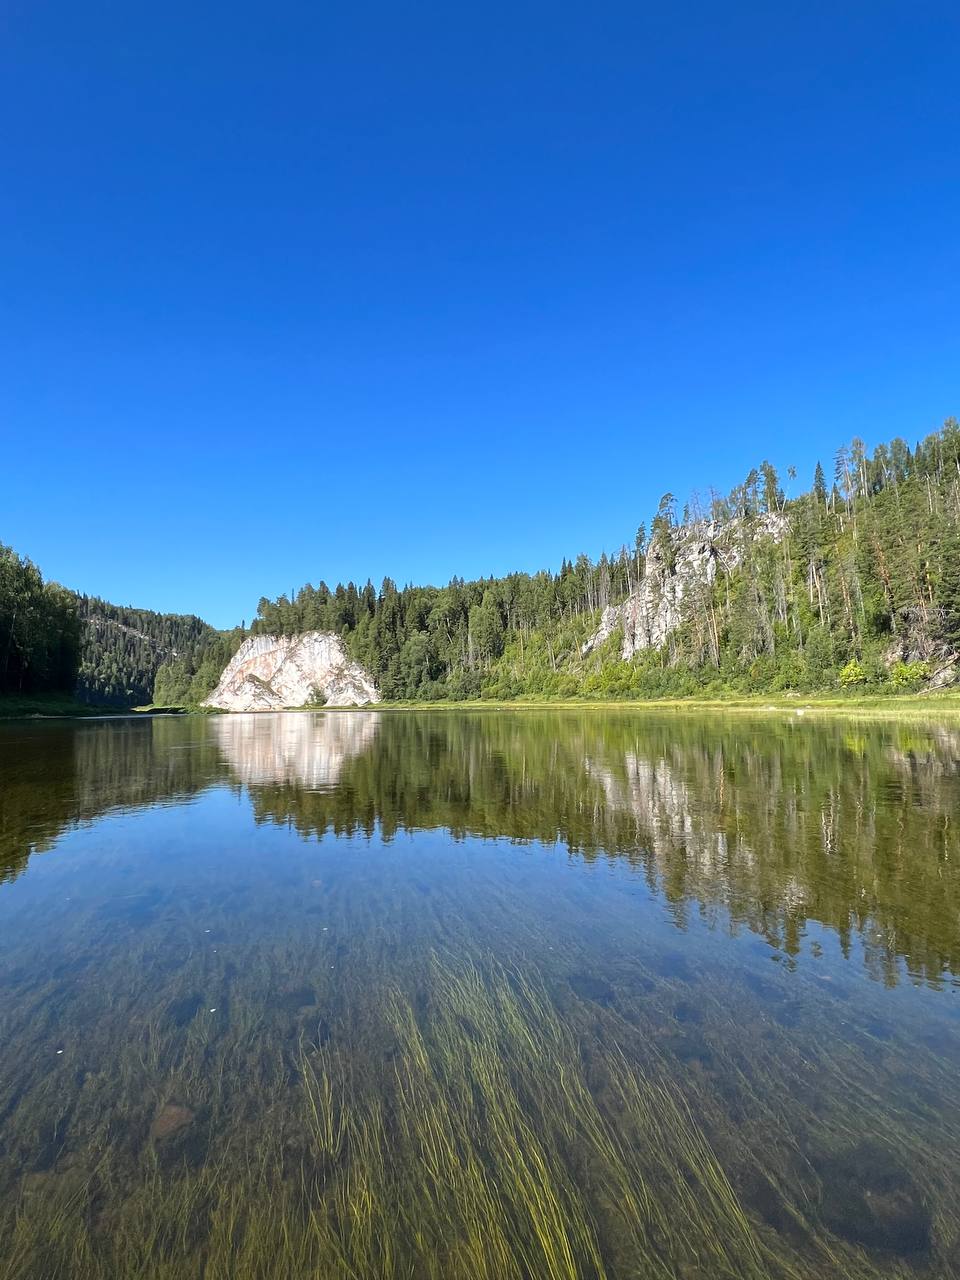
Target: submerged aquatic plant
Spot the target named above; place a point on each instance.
(456, 1122)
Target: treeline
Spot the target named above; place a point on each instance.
(429, 642)
(39, 629)
(860, 587)
(122, 650)
(854, 582)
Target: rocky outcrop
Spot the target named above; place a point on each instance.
(270, 673)
(914, 642)
(649, 616)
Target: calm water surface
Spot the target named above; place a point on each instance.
(507, 994)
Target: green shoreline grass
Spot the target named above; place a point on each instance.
(792, 703)
(941, 702)
(22, 706)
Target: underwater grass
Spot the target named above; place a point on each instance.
(457, 1121)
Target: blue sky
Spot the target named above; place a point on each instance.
(301, 291)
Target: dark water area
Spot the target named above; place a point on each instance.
(499, 994)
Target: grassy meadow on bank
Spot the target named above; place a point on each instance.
(942, 702)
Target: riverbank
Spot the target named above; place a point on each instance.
(943, 702)
(57, 705)
(22, 706)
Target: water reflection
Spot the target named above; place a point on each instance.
(57, 774)
(299, 750)
(479, 995)
(778, 823)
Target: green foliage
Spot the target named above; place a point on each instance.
(39, 630)
(125, 652)
(52, 640)
(190, 676)
(909, 675)
(853, 673)
(948, 587)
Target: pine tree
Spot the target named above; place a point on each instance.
(820, 486)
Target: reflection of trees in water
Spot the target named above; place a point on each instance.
(840, 823)
(55, 775)
(777, 822)
(853, 832)
(58, 774)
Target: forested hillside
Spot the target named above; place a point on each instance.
(123, 648)
(861, 588)
(39, 629)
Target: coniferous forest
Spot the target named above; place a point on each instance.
(122, 649)
(54, 641)
(858, 589)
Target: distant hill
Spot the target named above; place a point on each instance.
(121, 649)
(54, 641)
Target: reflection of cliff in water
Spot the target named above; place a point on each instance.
(773, 823)
(302, 749)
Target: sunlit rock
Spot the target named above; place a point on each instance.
(667, 597)
(269, 673)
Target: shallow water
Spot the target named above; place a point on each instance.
(499, 994)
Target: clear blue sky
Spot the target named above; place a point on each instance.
(300, 291)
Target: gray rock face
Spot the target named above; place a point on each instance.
(661, 603)
(269, 673)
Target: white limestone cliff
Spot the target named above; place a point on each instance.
(269, 673)
(661, 603)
